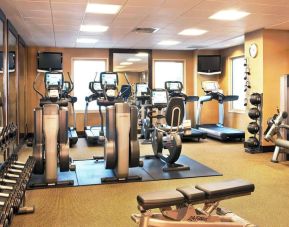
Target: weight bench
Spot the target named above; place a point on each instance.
(177, 208)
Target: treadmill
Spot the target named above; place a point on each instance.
(93, 134)
(174, 89)
(217, 131)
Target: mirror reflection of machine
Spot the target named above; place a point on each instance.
(51, 142)
(175, 89)
(217, 131)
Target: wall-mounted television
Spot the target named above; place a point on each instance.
(209, 64)
(49, 61)
(11, 61)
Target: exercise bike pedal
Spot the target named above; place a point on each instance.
(72, 167)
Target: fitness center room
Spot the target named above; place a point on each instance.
(150, 113)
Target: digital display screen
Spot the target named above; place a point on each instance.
(141, 88)
(54, 79)
(174, 86)
(97, 86)
(159, 97)
(66, 86)
(210, 86)
(109, 79)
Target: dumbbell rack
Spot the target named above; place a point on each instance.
(14, 178)
(253, 143)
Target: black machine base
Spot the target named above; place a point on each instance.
(55, 184)
(175, 167)
(118, 180)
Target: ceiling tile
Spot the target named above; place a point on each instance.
(32, 5)
(36, 13)
(71, 7)
(144, 2)
(98, 19)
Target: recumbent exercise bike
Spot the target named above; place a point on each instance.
(166, 136)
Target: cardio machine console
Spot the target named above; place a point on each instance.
(95, 87)
(53, 80)
(109, 80)
(141, 89)
(210, 86)
(173, 86)
(159, 98)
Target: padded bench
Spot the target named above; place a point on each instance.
(201, 193)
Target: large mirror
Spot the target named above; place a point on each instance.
(2, 94)
(12, 75)
(21, 88)
(131, 65)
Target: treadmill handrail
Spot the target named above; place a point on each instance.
(205, 98)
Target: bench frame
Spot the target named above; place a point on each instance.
(187, 215)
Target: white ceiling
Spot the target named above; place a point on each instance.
(56, 23)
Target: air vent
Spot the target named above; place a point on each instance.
(145, 30)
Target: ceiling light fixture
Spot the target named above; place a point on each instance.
(86, 40)
(168, 42)
(93, 28)
(133, 59)
(126, 63)
(142, 54)
(102, 8)
(193, 32)
(229, 15)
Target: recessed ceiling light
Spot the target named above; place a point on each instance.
(142, 54)
(126, 63)
(193, 32)
(229, 15)
(86, 40)
(133, 59)
(168, 42)
(102, 8)
(93, 28)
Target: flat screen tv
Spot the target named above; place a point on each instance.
(49, 61)
(209, 64)
(11, 61)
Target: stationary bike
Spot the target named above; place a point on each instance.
(121, 148)
(273, 133)
(167, 136)
(51, 145)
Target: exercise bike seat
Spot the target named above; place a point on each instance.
(160, 199)
(192, 195)
(226, 189)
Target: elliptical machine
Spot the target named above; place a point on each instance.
(51, 145)
(164, 137)
(121, 148)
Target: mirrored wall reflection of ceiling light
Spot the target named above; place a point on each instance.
(93, 28)
(102, 8)
(126, 63)
(142, 54)
(86, 40)
(168, 43)
(193, 32)
(229, 15)
(120, 66)
(133, 59)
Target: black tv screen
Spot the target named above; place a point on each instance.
(209, 64)
(49, 61)
(11, 60)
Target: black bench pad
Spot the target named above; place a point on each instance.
(160, 199)
(226, 188)
(192, 195)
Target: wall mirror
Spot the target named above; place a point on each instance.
(2, 94)
(135, 64)
(12, 74)
(21, 87)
